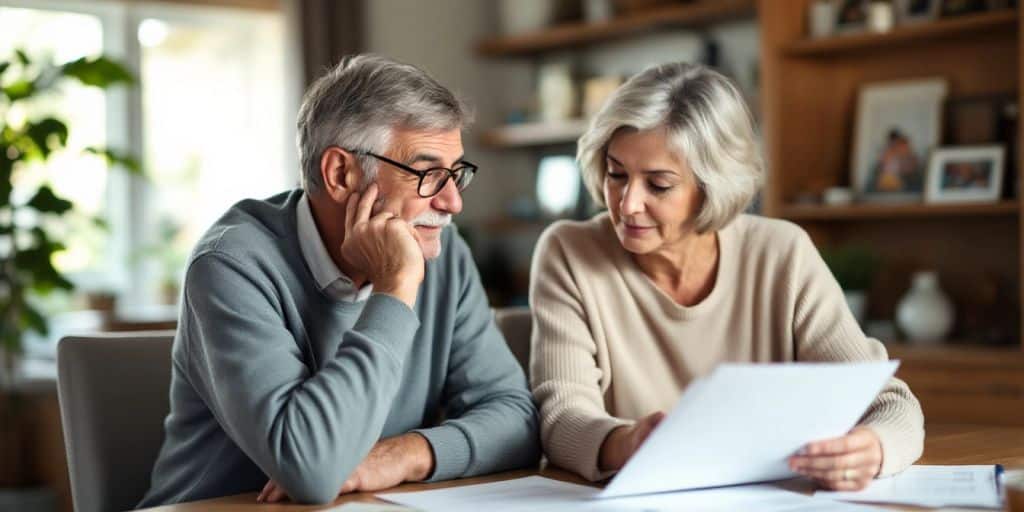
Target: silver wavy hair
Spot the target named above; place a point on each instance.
(708, 124)
(358, 103)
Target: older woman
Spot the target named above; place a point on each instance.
(632, 305)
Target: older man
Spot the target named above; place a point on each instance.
(325, 332)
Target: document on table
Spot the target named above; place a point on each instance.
(538, 493)
(931, 486)
(741, 423)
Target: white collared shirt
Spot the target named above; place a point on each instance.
(328, 277)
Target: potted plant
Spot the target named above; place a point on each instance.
(853, 267)
(27, 220)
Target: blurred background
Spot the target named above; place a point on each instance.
(890, 127)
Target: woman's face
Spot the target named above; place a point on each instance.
(652, 196)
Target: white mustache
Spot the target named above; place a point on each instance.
(432, 219)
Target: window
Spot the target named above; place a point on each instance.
(211, 119)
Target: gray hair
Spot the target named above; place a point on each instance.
(358, 103)
(707, 123)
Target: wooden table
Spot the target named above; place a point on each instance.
(944, 444)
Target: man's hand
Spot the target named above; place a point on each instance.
(405, 458)
(622, 442)
(384, 246)
(847, 463)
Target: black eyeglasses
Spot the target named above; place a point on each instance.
(433, 180)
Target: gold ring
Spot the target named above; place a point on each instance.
(847, 474)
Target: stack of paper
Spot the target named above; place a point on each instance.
(537, 493)
(932, 486)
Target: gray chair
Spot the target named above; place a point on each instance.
(114, 395)
(515, 323)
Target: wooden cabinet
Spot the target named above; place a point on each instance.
(809, 97)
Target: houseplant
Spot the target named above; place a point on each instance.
(853, 267)
(27, 218)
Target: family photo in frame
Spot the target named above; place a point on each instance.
(898, 124)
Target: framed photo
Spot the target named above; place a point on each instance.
(909, 12)
(965, 174)
(898, 124)
(851, 15)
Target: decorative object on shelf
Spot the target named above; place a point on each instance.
(821, 18)
(597, 11)
(558, 185)
(556, 94)
(880, 16)
(524, 16)
(909, 12)
(960, 7)
(972, 174)
(898, 124)
(851, 16)
(596, 90)
(837, 196)
(853, 267)
(925, 314)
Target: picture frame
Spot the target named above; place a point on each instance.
(898, 124)
(851, 16)
(966, 174)
(910, 12)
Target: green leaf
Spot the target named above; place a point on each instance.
(44, 277)
(3, 67)
(22, 57)
(101, 223)
(20, 89)
(114, 157)
(33, 319)
(47, 202)
(98, 71)
(48, 135)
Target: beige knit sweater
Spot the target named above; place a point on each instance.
(610, 347)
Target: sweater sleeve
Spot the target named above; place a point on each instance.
(564, 370)
(306, 430)
(491, 420)
(825, 330)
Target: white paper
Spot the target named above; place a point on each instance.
(931, 486)
(538, 493)
(368, 507)
(740, 424)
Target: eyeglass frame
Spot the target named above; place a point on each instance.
(464, 166)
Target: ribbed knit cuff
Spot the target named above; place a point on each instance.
(576, 440)
(388, 320)
(452, 452)
(902, 438)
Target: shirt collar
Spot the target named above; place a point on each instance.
(329, 278)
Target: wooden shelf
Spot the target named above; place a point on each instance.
(957, 352)
(694, 15)
(535, 134)
(964, 26)
(888, 212)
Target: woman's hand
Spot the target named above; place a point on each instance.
(622, 442)
(845, 463)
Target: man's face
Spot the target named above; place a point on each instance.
(421, 150)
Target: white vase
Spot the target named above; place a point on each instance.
(925, 314)
(857, 300)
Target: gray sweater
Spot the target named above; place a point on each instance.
(273, 379)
